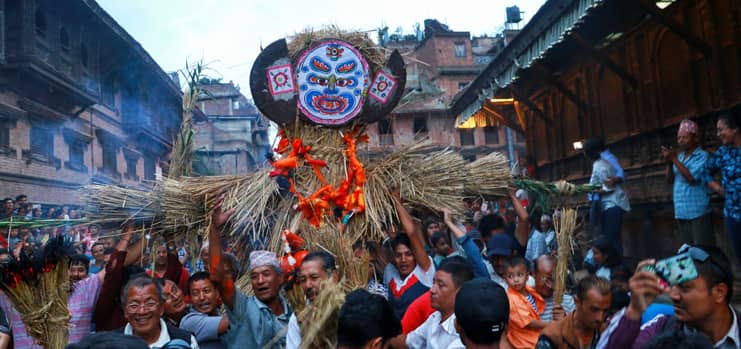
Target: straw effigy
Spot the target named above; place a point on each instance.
(565, 225)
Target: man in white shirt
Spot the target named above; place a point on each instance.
(143, 304)
(438, 332)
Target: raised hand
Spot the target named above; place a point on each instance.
(218, 217)
(644, 287)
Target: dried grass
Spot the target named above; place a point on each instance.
(43, 307)
(375, 55)
(565, 225)
(112, 204)
(489, 176)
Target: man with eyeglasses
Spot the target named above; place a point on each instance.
(701, 305)
(144, 305)
(543, 273)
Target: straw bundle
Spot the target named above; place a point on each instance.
(319, 321)
(181, 162)
(375, 54)
(112, 204)
(426, 179)
(565, 226)
(488, 176)
(39, 288)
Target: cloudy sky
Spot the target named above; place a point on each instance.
(228, 34)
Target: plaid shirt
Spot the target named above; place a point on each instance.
(691, 199)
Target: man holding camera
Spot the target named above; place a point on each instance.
(701, 304)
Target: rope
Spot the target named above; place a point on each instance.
(565, 188)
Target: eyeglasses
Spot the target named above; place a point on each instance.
(133, 307)
(547, 281)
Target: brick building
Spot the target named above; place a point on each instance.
(80, 102)
(233, 138)
(438, 67)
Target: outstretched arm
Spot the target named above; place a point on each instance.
(472, 251)
(120, 247)
(414, 230)
(216, 268)
(523, 223)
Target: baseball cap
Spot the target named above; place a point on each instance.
(482, 310)
(500, 245)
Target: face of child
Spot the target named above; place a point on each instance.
(516, 277)
(442, 247)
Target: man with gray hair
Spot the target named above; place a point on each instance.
(144, 304)
(257, 321)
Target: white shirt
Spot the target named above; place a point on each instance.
(433, 334)
(293, 336)
(164, 337)
(424, 277)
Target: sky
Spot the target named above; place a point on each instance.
(228, 34)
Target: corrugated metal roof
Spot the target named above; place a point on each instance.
(536, 49)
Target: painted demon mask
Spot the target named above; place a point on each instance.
(329, 82)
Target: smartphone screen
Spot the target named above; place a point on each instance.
(677, 269)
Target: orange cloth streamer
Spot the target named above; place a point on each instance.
(348, 195)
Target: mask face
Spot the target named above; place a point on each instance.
(332, 79)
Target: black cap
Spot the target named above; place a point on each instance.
(482, 310)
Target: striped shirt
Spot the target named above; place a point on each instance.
(531, 300)
(81, 304)
(567, 303)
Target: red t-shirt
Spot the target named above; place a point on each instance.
(417, 313)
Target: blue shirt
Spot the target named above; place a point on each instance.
(252, 325)
(728, 161)
(691, 199)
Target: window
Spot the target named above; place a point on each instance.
(420, 127)
(131, 161)
(385, 133)
(5, 127)
(150, 169)
(235, 105)
(460, 49)
(64, 40)
(4, 135)
(466, 137)
(84, 59)
(42, 141)
(40, 18)
(108, 91)
(491, 135)
(76, 151)
(109, 158)
(462, 85)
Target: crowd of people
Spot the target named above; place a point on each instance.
(484, 280)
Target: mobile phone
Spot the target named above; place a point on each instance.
(676, 269)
